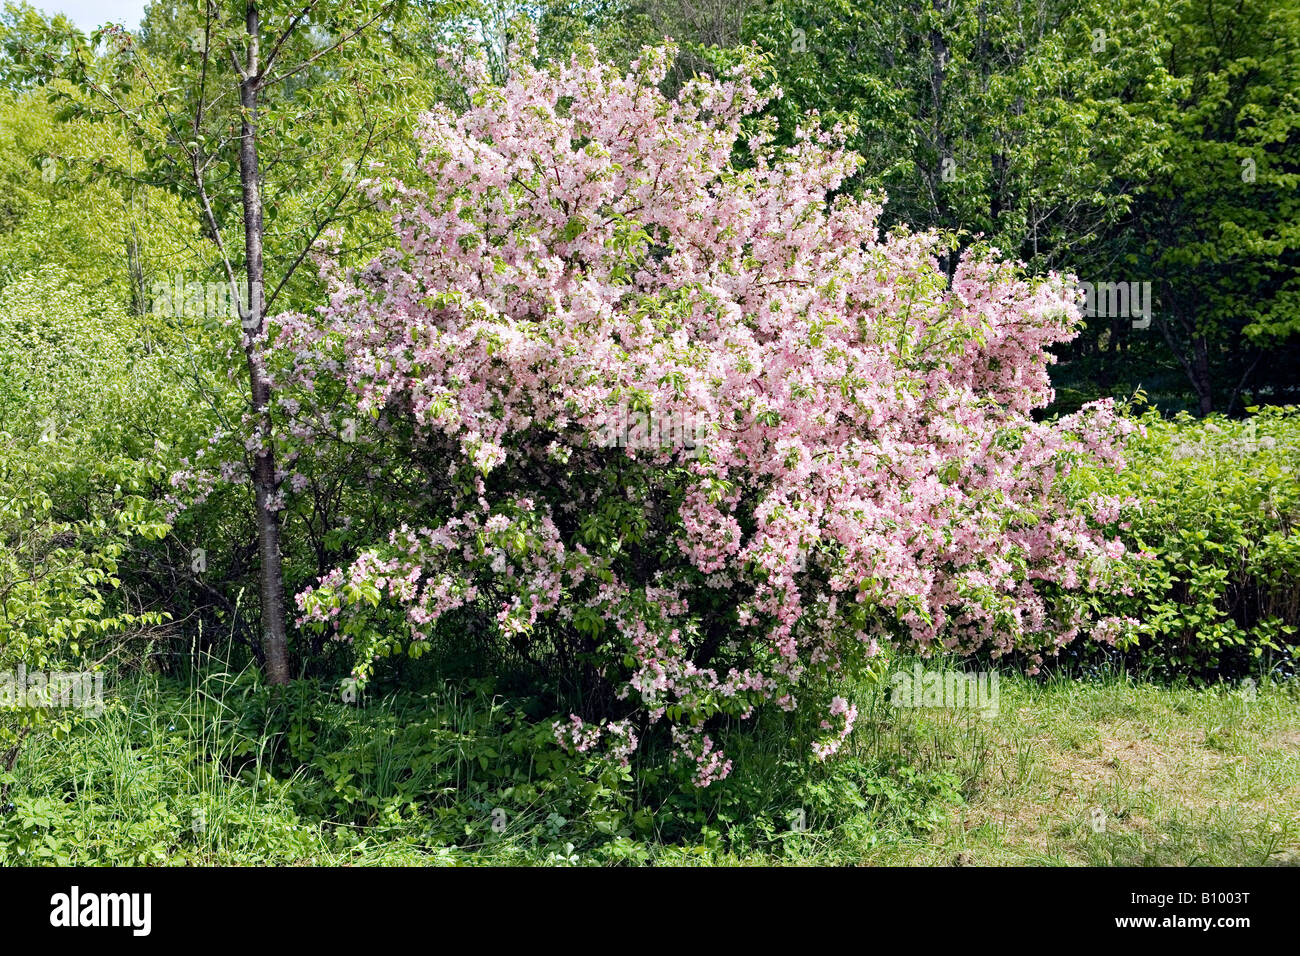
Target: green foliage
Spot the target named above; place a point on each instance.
(1123, 163)
(135, 786)
(222, 768)
(80, 476)
(58, 206)
(997, 118)
(474, 767)
(773, 803)
(1118, 140)
(1213, 524)
(1219, 219)
(198, 771)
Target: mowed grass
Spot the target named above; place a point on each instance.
(1108, 771)
(1098, 772)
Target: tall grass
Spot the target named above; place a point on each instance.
(210, 766)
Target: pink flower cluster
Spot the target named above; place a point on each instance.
(576, 244)
(577, 736)
(842, 717)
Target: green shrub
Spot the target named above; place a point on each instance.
(80, 468)
(1214, 516)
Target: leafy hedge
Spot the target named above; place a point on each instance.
(79, 478)
(1214, 581)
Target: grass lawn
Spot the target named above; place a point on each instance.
(1105, 771)
(1111, 772)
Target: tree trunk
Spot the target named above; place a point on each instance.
(1201, 375)
(1195, 359)
(274, 641)
(939, 218)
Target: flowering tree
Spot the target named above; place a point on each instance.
(685, 423)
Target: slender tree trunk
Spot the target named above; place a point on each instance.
(11, 759)
(1195, 359)
(1201, 375)
(1236, 392)
(938, 132)
(274, 641)
(997, 156)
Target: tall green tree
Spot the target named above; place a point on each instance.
(262, 116)
(1220, 218)
(1120, 140)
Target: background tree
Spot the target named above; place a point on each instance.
(1086, 137)
(262, 117)
(1219, 221)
